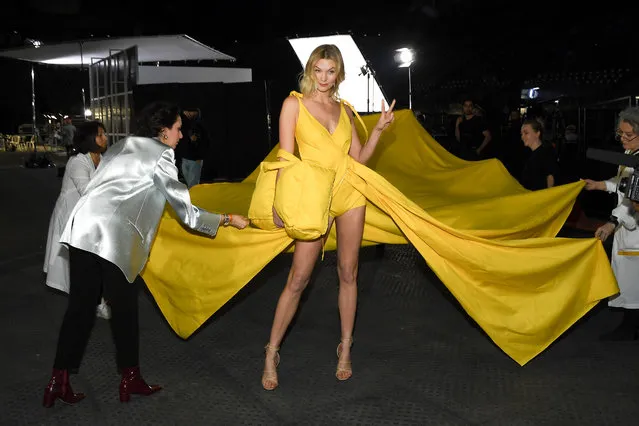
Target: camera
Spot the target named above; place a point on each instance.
(629, 186)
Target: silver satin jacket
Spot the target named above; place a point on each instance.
(118, 216)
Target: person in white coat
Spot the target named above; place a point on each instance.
(90, 141)
(110, 233)
(623, 224)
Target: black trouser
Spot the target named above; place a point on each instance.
(469, 153)
(90, 274)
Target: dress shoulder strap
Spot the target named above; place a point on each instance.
(358, 117)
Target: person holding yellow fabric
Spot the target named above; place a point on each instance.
(623, 224)
(333, 129)
(110, 232)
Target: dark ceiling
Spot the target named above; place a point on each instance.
(456, 40)
(454, 37)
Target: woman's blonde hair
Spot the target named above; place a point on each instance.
(307, 78)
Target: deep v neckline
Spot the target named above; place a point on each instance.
(339, 119)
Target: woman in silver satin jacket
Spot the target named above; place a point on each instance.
(110, 232)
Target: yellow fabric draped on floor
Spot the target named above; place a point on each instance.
(490, 241)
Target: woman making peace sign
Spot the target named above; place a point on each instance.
(326, 135)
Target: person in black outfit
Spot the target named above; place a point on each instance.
(541, 169)
(193, 146)
(471, 132)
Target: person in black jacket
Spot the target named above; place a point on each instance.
(193, 146)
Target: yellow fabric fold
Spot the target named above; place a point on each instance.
(489, 240)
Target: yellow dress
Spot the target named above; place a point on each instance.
(490, 241)
(316, 144)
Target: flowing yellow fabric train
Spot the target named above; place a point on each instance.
(490, 241)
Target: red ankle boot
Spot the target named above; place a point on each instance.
(133, 383)
(59, 387)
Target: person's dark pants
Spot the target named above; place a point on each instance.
(90, 274)
(469, 154)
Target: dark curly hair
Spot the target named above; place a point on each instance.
(84, 137)
(156, 116)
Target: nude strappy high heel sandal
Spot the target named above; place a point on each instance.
(269, 377)
(344, 368)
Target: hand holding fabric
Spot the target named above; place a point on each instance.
(604, 231)
(594, 185)
(238, 221)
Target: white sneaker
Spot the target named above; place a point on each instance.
(103, 311)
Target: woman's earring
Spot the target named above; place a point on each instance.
(164, 136)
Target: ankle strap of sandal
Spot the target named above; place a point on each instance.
(271, 347)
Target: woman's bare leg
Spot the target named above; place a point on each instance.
(304, 259)
(350, 229)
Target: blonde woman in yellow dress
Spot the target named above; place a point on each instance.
(320, 123)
